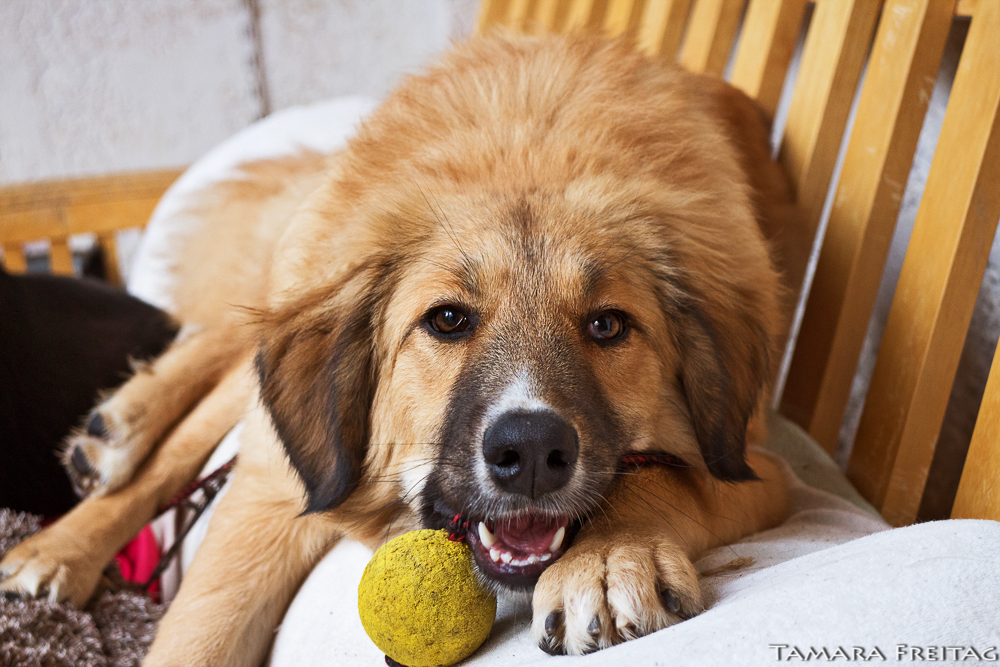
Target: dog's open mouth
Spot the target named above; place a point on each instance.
(514, 551)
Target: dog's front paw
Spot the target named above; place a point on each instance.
(102, 456)
(606, 591)
(52, 565)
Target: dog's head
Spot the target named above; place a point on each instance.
(508, 283)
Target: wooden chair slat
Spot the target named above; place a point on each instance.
(60, 257)
(832, 59)
(491, 12)
(54, 194)
(79, 219)
(109, 248)
(938, 284)
(966, 7)
(710, 35)
(662, 27)
(549, 15)
(38, 211)
(767, 42)
(518, 14)
(585, 14)
(978, 494)
(901, 72)
(618, 18)
(14, 260)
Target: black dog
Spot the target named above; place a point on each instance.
(62, 341)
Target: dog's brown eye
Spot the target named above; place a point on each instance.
(606, 327)
(448, 320)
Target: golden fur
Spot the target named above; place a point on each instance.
(534, 182)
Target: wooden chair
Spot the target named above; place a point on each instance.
(949, 246)
(55, 210)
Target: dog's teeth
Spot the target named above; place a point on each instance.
(495, 555)
(506, 556)
(532, 559)
(544, 557)
(557, 540)
(485, 536)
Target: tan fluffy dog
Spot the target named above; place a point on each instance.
(537, 257)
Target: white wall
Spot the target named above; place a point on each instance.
(97, 86)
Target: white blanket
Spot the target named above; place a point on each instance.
(832, 577)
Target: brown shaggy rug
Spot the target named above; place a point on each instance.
(114, 631)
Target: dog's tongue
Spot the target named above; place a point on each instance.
(529, 534)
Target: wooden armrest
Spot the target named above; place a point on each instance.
(55, 210)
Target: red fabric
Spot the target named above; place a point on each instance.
(138, 559)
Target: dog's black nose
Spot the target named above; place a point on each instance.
(530, 453)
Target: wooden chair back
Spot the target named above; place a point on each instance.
(949, 246)
(902, 42)
(53, 211)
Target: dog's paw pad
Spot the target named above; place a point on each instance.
(96, 427)
(80, 463)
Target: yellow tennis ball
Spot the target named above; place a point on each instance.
(420, 603)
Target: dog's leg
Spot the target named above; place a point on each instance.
(630, 569)
(122, 430)
(66, 559)
(258, 550)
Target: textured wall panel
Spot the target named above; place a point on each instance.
(95, 87)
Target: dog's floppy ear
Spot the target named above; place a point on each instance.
(317, 370)
(725, 365)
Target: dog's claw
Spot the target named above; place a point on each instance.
(550, 646)
(628, 631)
(671, 601)
(553, 621)
(550, 642)
(594, 630)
